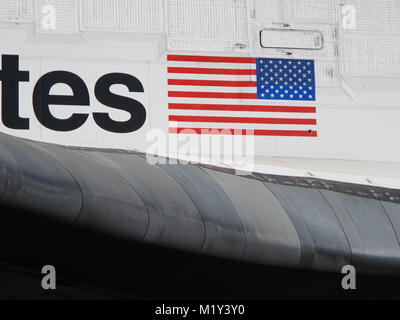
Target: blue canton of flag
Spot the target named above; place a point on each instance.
(286, 79)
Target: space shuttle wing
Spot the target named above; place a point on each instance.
(255, 218)
(159, 138)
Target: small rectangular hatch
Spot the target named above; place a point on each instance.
(291, 39)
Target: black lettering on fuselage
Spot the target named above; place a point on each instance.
(11, 76)
(42, 100)
(106, 97)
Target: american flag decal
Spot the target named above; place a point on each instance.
(258, 96)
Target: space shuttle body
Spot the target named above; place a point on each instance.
(261, 132)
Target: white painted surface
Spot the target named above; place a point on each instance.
(358, 70)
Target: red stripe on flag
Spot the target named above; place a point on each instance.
(211, 59)
(211, 95)
(251, 108)
(209, 83)
(242, 120)
(212, 71)
(275, 133)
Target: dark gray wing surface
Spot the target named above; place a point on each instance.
(202, 210)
